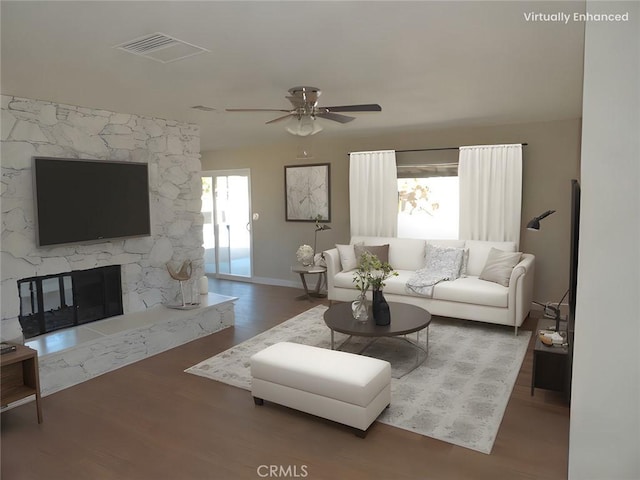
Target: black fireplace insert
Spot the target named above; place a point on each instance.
(53, 302)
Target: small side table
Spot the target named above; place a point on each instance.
(20, 377)
(549, 362)
(312, 270)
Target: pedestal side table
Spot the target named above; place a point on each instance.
(312, 270)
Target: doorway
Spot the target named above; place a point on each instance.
(227, 238)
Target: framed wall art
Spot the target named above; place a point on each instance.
(307, 192)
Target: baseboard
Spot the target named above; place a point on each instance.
(277, 282)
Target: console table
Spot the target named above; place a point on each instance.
(550, 363)
(20, 377)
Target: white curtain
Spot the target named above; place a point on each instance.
(373, 193)
(490, 192)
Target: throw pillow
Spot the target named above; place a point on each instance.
(444, 261)
(380, 251)
(348, 258)
(464, 264)
(499, 266)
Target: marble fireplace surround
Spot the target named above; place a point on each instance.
(172, 151)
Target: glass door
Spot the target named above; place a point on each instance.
(226, 206)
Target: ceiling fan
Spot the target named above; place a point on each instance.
(305, 111)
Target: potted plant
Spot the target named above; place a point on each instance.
(372, 272)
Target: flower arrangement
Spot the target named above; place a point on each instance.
(372, 272)
(305, 254)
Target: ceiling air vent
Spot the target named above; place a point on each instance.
(204, 108)
(161, 48)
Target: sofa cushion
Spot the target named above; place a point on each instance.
(499, 266)
(479, 251)
(472, 290)
(398, 283)
(391, 285)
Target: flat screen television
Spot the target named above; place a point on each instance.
(84, 201)
(573, 277)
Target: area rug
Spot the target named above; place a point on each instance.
(457, 395)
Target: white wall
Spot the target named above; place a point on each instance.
(605, 405)
(172, 151)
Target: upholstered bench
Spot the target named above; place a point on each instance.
(343, 387)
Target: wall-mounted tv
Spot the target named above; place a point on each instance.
(90, 200)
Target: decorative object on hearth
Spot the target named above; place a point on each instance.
(305, 255)
(204, 285)
(372, 272)
(182, 274)
(305, 111)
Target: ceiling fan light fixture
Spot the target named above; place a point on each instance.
(303, 126)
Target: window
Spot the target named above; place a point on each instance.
(428, 194)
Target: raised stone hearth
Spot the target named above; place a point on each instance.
(71, 356)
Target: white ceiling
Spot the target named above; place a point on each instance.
(428, 64)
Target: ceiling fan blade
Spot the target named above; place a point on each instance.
(280, 118)
(370, 107)
(255, 110)
(336, 117)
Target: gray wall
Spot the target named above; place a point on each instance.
(551, 159)
(605, 397)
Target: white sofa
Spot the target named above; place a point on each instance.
(467, 297)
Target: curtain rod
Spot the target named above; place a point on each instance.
(441, 148)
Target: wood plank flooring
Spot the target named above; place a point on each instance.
(150, 420)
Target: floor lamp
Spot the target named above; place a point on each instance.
(534, 225)
(319, 228)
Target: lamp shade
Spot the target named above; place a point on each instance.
(534, 223)
(303, 126)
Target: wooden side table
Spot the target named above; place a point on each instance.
(549, 362)
(20, 377)
(312, 270)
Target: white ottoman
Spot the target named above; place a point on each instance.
(343, 387)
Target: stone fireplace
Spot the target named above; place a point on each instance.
(172, 152)
(53, 302)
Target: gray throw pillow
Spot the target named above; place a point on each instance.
(380, 251)
(499, 266)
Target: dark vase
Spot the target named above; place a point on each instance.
(380, 309)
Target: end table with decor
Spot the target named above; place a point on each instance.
(303, 270)
(550, 362)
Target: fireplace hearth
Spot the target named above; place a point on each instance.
(53, 302)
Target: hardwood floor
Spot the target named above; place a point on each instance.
(150, 420)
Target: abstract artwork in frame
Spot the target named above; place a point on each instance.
(307, 192)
